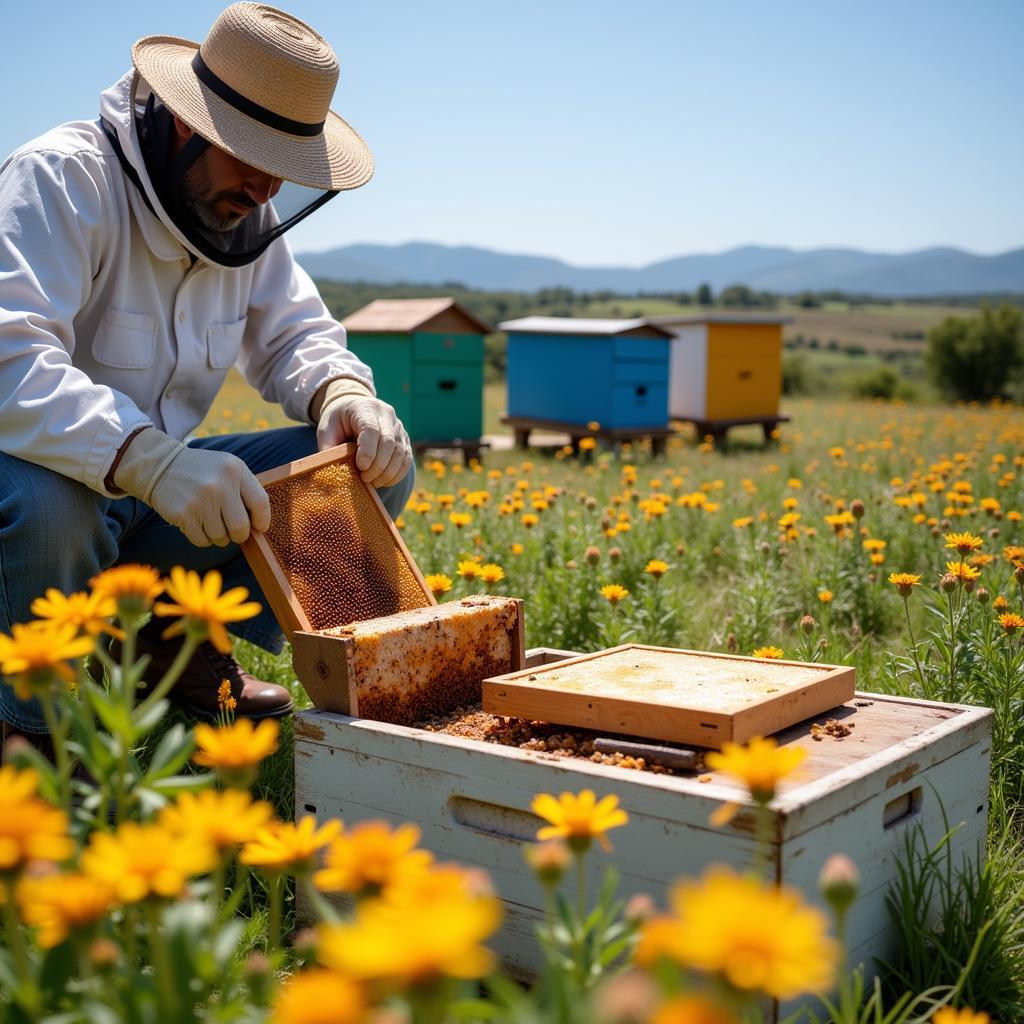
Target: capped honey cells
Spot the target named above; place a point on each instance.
(336, 549)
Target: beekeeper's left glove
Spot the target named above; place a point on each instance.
(350, 412)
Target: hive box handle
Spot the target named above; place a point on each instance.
(494, 819)
(447, 385)
(902, 808)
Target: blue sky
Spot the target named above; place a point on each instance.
(622, 133)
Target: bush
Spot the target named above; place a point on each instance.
(881, 383)
(978, 358)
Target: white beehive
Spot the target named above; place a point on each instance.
(858, 796)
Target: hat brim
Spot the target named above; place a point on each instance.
(337, 159)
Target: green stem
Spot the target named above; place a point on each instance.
(16, 943)
(763, 841)
(58, 732)
(161, 961)
(913, 646)
(581, 887)
(233, 902)
(127, 662)
(274, 929)
(952, 647)
(182, 658)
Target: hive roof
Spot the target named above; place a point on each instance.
(407, 315)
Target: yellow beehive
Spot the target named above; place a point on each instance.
(724, 366)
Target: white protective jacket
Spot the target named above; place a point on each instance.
(106, 325)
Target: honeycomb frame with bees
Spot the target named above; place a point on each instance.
(368, 636)
(405, 667)
(332, 554)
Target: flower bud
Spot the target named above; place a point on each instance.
(627, 998)
(571, 564)
(549, 861)
(807, 624)
(640, 907)
(838, 882)
(765, 548)
(982, 595)
(614, 554)
(948, 583)
(104, 954)
(857, 508)
(592, 555)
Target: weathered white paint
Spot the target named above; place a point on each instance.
(688, 372)
(472, 801)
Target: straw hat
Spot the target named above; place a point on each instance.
(260, 87)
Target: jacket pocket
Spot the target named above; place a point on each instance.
(125, 341)
(223, 342)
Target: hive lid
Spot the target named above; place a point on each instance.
(332, 555)
(389, 316)
(663, 693)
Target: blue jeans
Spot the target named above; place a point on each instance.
(56, 532)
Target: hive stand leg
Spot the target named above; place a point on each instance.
(469, 453)
(521, 436)
(768, 426)
(658, 445)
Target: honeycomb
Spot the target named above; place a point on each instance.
(337, 549)
(427, 661)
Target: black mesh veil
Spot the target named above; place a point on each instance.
(181, 185)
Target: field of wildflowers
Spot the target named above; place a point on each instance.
(142, 879)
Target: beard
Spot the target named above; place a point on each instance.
(201, 200)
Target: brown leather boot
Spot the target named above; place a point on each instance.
(196, 690)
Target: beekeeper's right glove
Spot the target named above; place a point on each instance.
(211, 496)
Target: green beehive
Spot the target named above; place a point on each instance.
(427, 357)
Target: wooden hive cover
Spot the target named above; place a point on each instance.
(332, 555)
(662, 693)
(401, 316)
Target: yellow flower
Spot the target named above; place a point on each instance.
(825, 596)
(962, 571)
(58, 904)
(587, 444)
(656, 568)
(964, 543)
(133, 587)
(89, 613)
(140, 861)
(203, 607)
(468, 569)
(757, 937)
(439, 583)
(35, 657)
(529, 519)
(904, 582)
(874, 544)
(223, 818)
(742, 522)
(30, 828)
(286, 847)
(368, 857)
(768, 652)
(492, 573)
(578, 819)
(760, 765)
(613, 593)
(235, 748)
(1011, 621)
(517, 549)
(948, 1015)
(460, 519)
(429, 925)
(319, 996)
(692, 1009)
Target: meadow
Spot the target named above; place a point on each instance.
(149, 874)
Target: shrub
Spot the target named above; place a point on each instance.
(977, 358)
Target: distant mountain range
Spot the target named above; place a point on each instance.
(939, 271)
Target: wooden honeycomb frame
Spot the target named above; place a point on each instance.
(597, 700)
(273, 575)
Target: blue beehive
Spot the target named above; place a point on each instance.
(574, 371)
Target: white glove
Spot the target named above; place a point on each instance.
(211, 496)
(349, 411)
